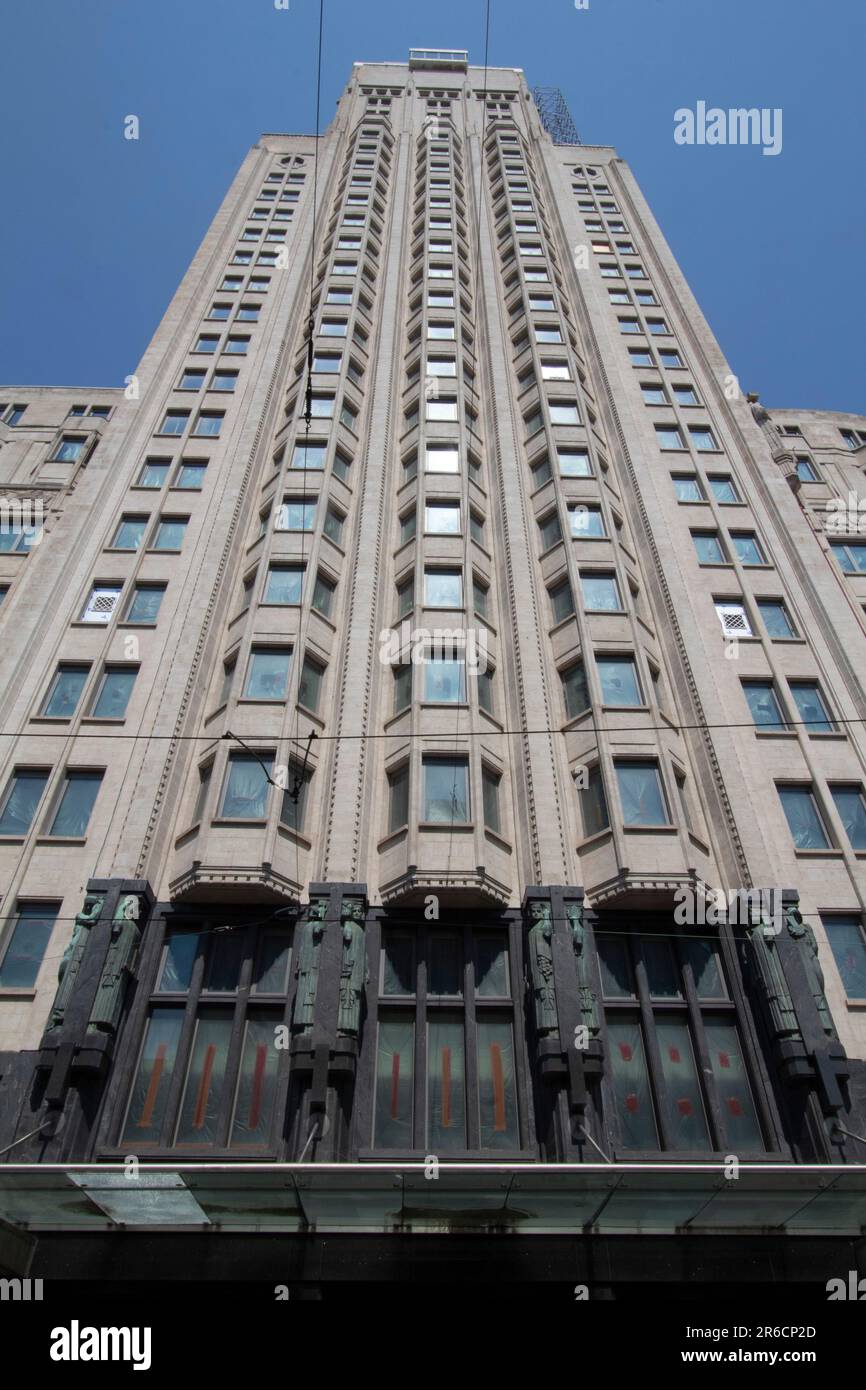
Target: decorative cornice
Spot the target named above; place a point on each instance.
(223, 882)
(464, 884)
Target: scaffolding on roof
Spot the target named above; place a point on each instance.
(555, 115)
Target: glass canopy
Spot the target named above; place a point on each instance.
(531, 1198)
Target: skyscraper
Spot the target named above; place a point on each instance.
(432, 720)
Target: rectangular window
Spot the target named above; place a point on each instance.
(446, 791)
(804, 819)
(174, 422)
(113, 692)
(811, 707)
(561, 601)
(850, 556)
(763, 704)
(284, 584)
(600, 593)
(310, 686)
(708, 547)
(619, 682)
(593, 803)
(851, 807)
(442, 518)
(64, 692)
(398, 799)
(21, 799)
(490, 795)
(587, 522)
(722, 488)
(686, 487)
(34, 923)
(443, 588)
(575, 690)
(669, 437)
(76, 802)
(444, 677)
(641, 794)
(776, 619)
(101, 603)
(144, 603)
(310, 455)
(245, 793)
(192, 379)
(574, 463)
(129, 533)
(154, 473)
(69, 449)
(297, 514)
(746, 548)
(564, 413)
(268, 673)
(209, 423)
(845, 935)
(170, 533)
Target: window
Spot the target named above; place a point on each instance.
(443, 408)
(708, 548)
(657, 326)
(268, 673)
(619, 682)
(575, 690)
(15, 414)
(154, 473)
(34, 923)
(640, 357)
(722, 488)
(297, 514)
(323, 595)
(687, 487)
(322, 407)
(669, 357)
(398, 799)
(64, 692)
(746, 548)
(763, 704)
(851, 807)
(811, 707)
(442, 458)
(192, 379)
(402, 687)
(664, 1097)
(587, 522)
(593, 803)
(600, 592)
(685, 395)
(805, 470)
(284, 584)
(550, 530)
(237, 346)
(327, 363)
(76, 802)
(850, 555)
(245, 792)
(702, 439)
(443, 588)
(112, 694)
(101, 603)
(652, 394)
(776, 618)
(310, 455)
(641, 794)
(490, 797)
(170, 533)
(574, 463)
(561, 601)
(442, 518)
(129, 533)
(293, 808)
(334, 328)
(441, 366)
(209, 423)
(479, 596)
(145, 603)
(564, 413)
(446, 791)
(845, 935)
(205, 343)
(465, 1011)
(69, 449)
(629, 325)
(444, 677)
(192, 1088)
(804, 819)
(174, 422)
(555, 370)
(21, 799)
(190, 476)
(669, 437)
(333, 525)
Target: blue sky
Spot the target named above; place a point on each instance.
(98, 230)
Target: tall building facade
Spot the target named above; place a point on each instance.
(432, 720)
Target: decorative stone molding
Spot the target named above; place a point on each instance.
(227, 882)
(629, 889)
(463, 885)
